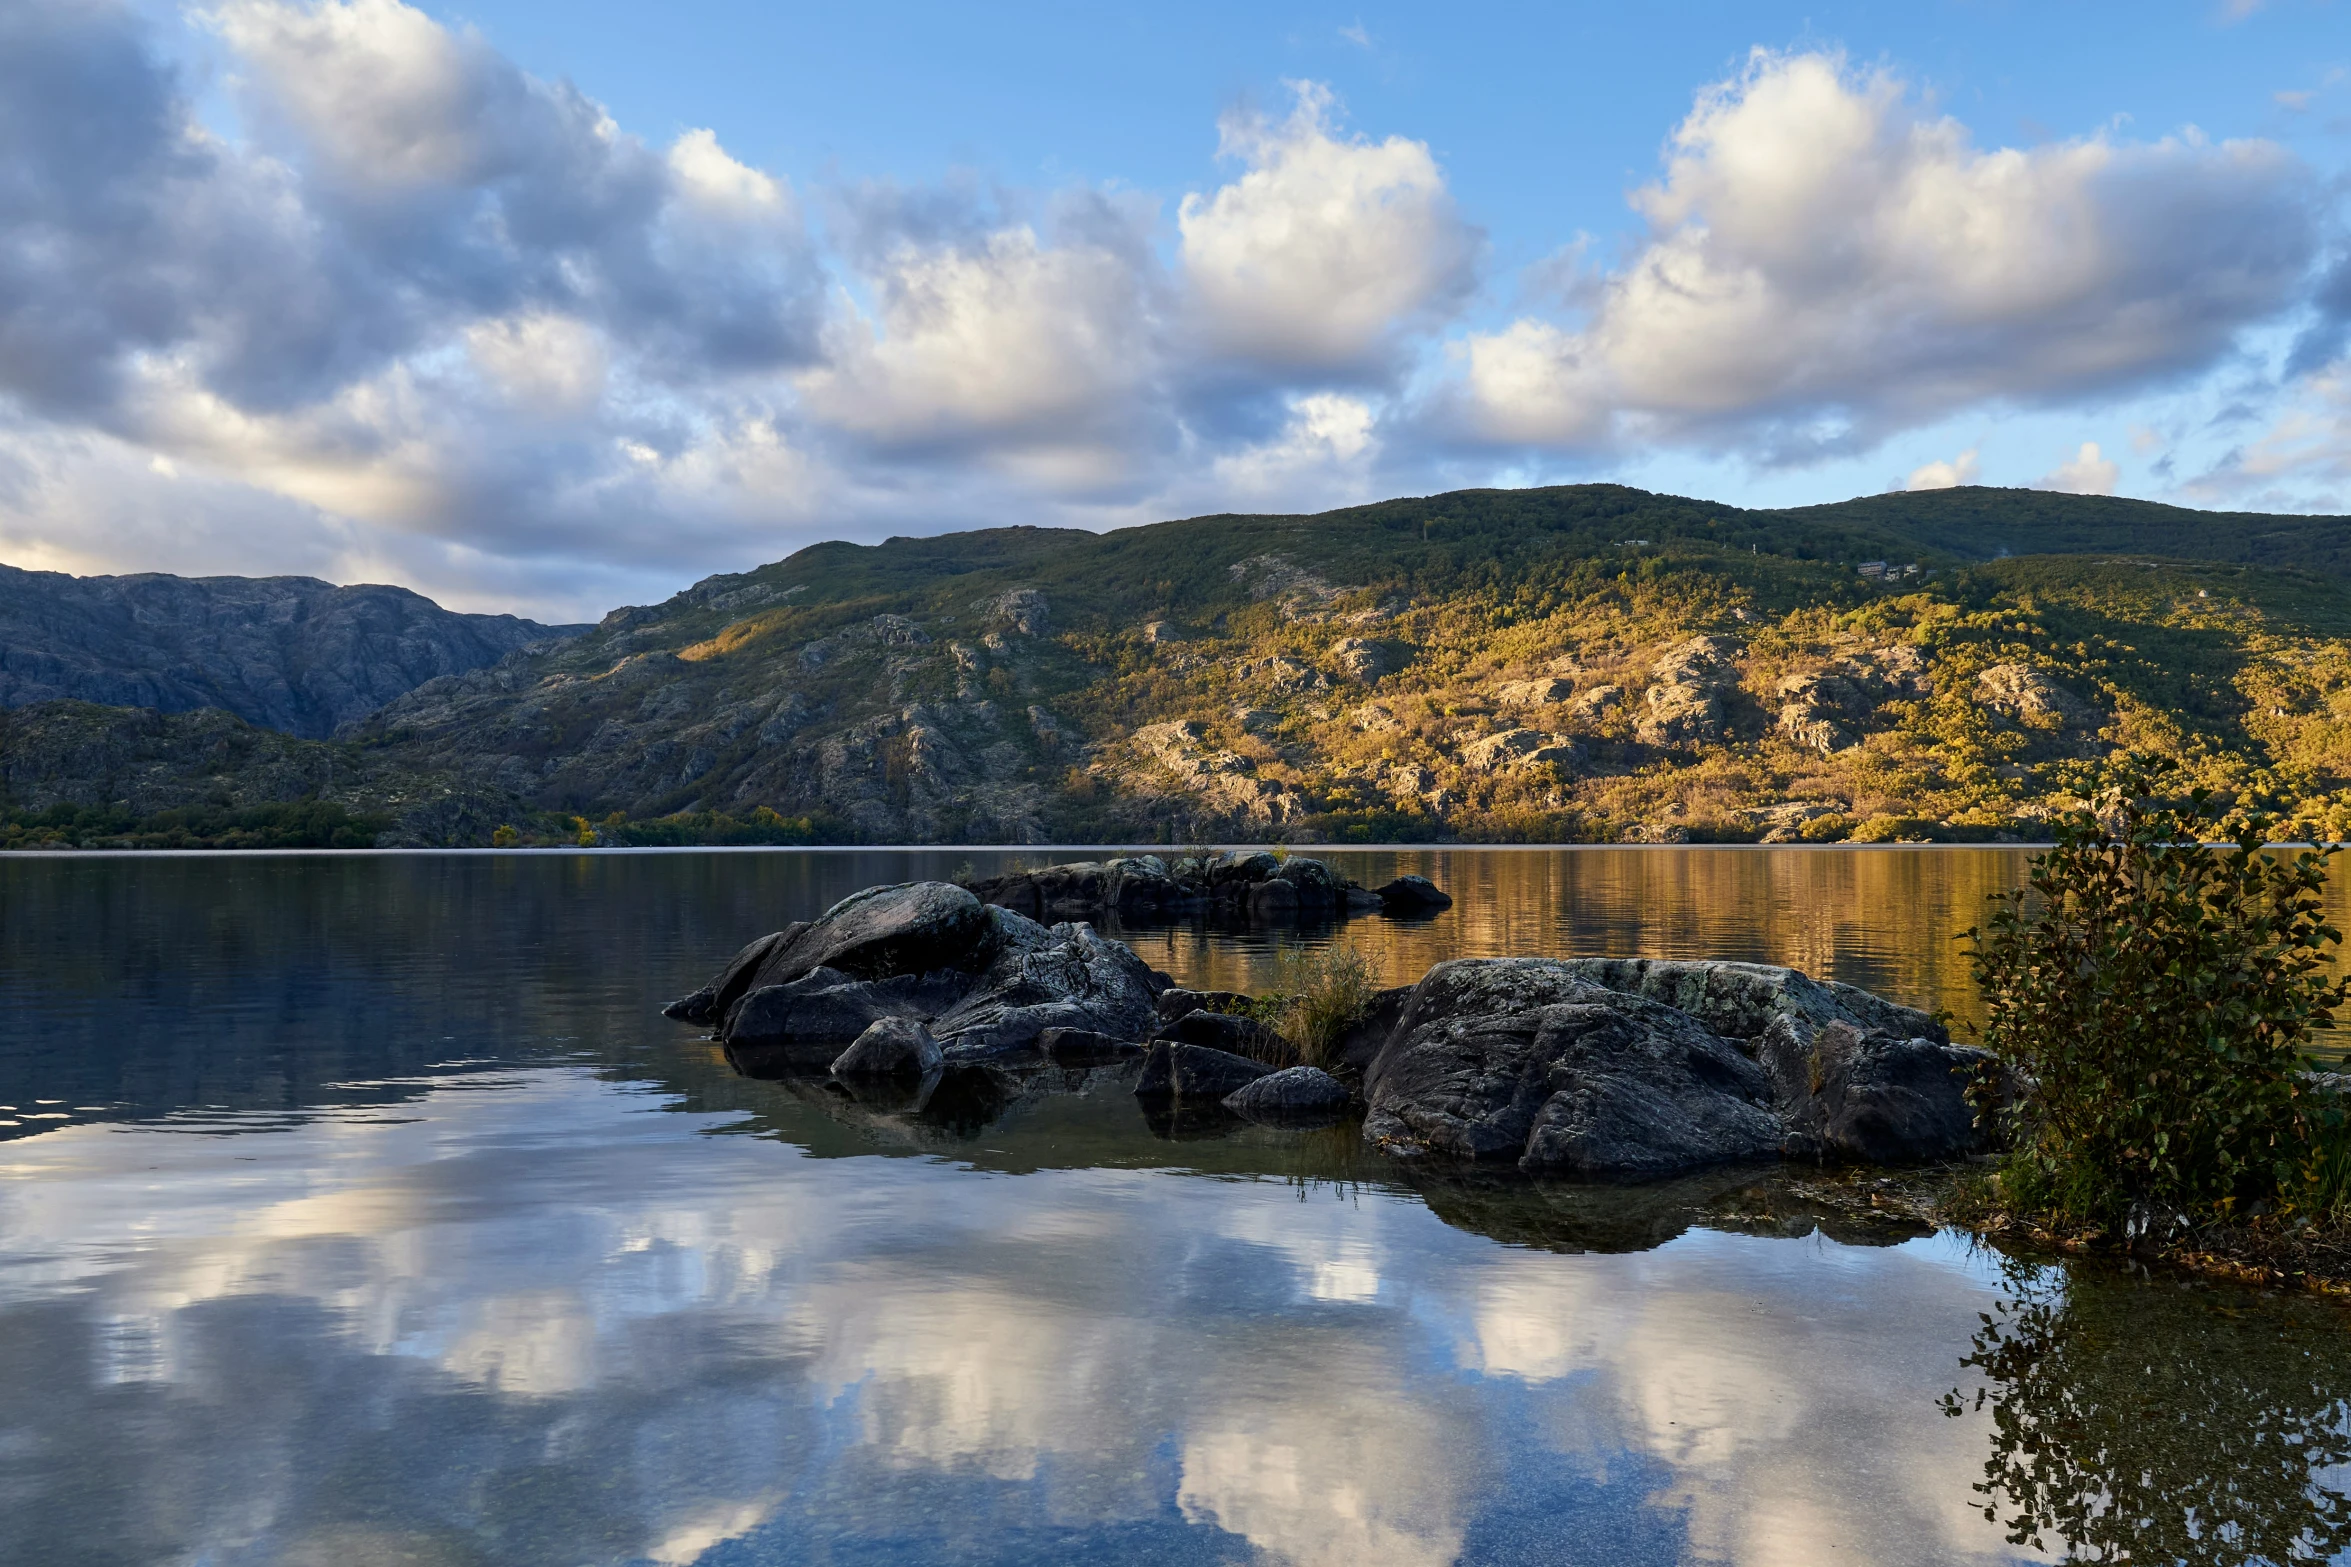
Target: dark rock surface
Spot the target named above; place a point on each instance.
(1240, 885)
(1298, 1093)
(1580, 1067)
(287, 653)
(1240, 1036)
(1412, 894)
(1175, 1001)
(890, 1047)
(986, 981)
(1879, 1098)
(1195, 1073)
(1084, 1047)
(1595, 1069)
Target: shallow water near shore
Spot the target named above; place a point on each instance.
(362, 1209)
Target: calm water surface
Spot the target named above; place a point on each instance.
(361, 1209)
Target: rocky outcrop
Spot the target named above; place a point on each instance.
(1635, 1069)
(287, 653)
(1518, 747)
(1144, 888)
(985, 981)
(1686, 702)
(1828, 710)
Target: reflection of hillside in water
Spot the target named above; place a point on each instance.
(1884, 919)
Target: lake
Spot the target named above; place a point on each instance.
(362, 1209)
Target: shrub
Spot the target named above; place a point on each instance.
(2155, 991)
(1323, 992)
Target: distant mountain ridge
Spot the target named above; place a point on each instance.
(292, 654)
(1586, 662)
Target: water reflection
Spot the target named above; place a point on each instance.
(2153, 1422)
(135, 985)
(540, 1316)
(378, 1218)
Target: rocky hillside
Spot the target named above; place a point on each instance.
(1583, 663)
(286, 653)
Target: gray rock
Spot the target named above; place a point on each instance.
(1411, 895)
(1084, 1047)
(811, 1018)
(1175, 1001)
(1065, 977)
(1740, 1000)
(880, 933)
(1180, 1072)
(1297, 1093)
(1875, 1097)
(890, 1047)
(1527, 1061)
(716, 999)
(1361, 1045)
(909, 928)
(1240, 1036)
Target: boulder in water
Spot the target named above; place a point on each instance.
(1298, 1093)
(1412, 895)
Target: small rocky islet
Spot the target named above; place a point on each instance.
(1612, 1069)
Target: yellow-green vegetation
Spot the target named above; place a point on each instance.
(1585, 663)
(2155, 993)
(1320, 993)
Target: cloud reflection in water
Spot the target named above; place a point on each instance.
(542, 1316)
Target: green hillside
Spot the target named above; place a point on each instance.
(1581, 663)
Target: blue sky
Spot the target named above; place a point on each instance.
(552, 307)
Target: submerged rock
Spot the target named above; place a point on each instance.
(1297, 1093)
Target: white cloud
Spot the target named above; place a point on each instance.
(1326, 249)
(1825, 265)
(1940, 475)
(1328, 443)
(1006, 337)
(2087, 472)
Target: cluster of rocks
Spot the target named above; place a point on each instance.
(1609, 1069)
(1240, 884)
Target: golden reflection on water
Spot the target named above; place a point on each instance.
(1886, 919)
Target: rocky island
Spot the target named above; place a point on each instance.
(1596, 1068)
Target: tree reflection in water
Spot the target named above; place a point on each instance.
(2143, 1421)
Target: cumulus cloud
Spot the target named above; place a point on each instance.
(1825, 264)
(2087, 472)
(1326, 249)
(1325, 448)
(429, 316)
(1941, 475)
(1003, 339)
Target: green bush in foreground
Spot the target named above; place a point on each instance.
(2156, 991)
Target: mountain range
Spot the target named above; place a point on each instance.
(1583, 662)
